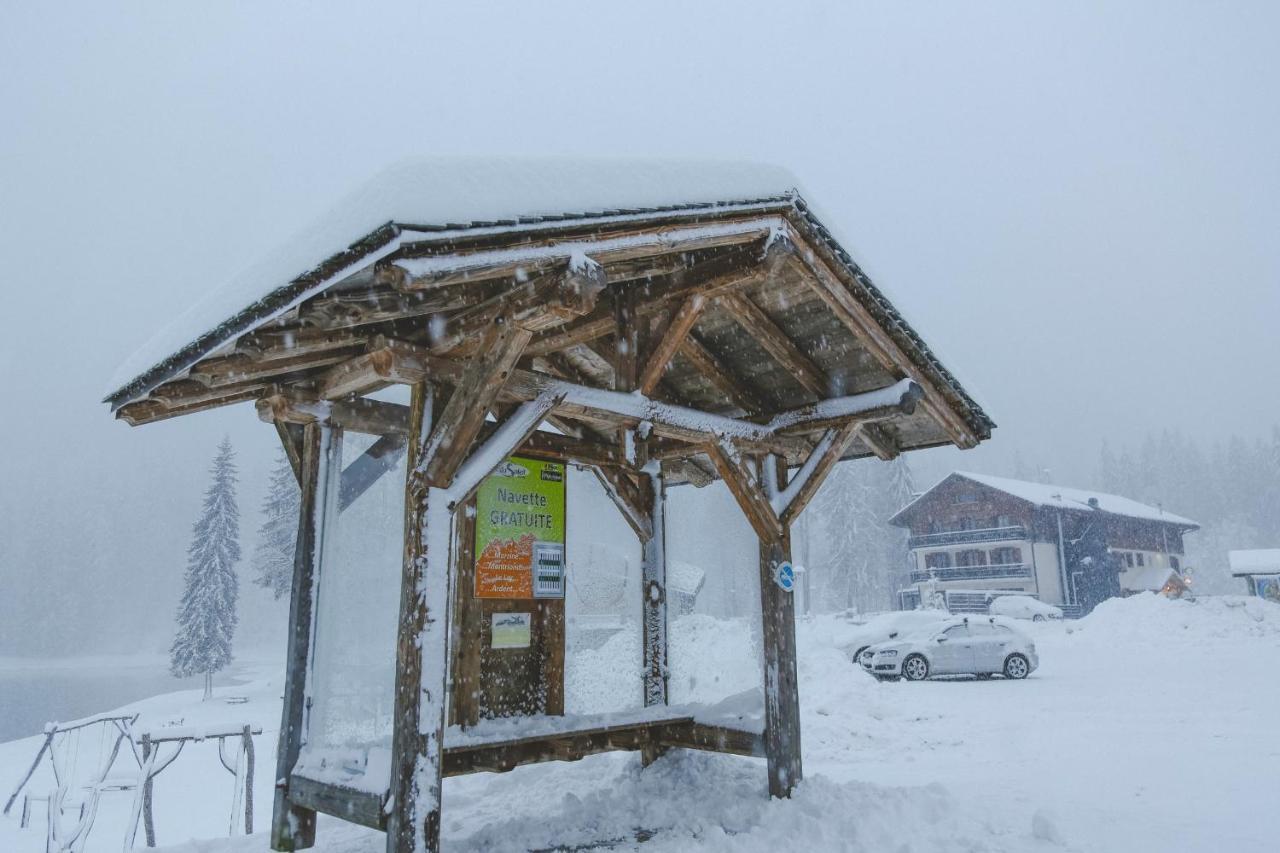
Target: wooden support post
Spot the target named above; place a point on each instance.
(781, 696)
(247, 741)
(653, 567)
(148, 790)
(293, 827)
(422, 655)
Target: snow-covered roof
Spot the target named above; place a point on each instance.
(440, 194)
(1148, 578)
(1257, 561)
(1061, 497)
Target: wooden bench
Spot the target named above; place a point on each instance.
(492, 752)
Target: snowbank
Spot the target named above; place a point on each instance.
(1148, 615)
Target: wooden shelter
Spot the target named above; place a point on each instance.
(657, 323)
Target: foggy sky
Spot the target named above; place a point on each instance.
(1076, 204)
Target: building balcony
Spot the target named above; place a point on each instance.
(964, 537)
(970, 573)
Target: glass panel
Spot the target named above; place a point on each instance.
(602, 603)
(357, 607)
(714, 648)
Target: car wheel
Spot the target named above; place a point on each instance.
(1037, 618)
(1016, 666)
(858, 654)
(915, 668)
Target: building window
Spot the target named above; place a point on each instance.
(1173, 561)
(971, 558)
(1128, 559)
(937, 560)
(1008, 556)
(1141, 560)
(1004, 521)
(966, 498)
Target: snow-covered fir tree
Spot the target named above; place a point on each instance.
(273, 555)
(207, 615)
(1232, 489)
(858, 558)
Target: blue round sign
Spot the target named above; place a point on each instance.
(785, 577)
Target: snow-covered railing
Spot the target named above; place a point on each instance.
(956, 573)
(959, 537)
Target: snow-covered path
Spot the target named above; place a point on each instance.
(1150, 726)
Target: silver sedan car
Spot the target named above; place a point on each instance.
(968, 645)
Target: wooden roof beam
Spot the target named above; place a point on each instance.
(428, 271)
(710, 279)
(858, 319)
(665, 350)
(715, 372)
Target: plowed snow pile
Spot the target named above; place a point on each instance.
(1143, 617)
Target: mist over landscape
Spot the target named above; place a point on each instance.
(1075, 205)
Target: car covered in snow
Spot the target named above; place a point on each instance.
(888, 626)
(1024, 607)
(968, 645)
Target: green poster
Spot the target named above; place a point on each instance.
(520, 530)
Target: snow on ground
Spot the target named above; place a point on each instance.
(1149, 726)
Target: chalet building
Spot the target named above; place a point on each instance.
(1260, 569)
(974, 536)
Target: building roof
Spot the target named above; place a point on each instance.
(1148, 578)
(438, 194)
(1259, 561)
(1060, 497)
(782, 333)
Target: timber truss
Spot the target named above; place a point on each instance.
(732, 341)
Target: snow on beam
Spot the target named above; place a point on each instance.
(513, 432)
(791, 501)
(902, 397)
(435, 271)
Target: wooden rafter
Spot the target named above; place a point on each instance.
(784, 350)
(720, 376)
(712, 278)
(859, 320)
(673, 337)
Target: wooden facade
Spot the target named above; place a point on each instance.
(720, 339)
(993, 535)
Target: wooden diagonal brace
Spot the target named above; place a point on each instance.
(630, 499)
(813, 473)
(361, 474)
(482, 380)
(746, 489)
(509, 435)
(291, 437)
